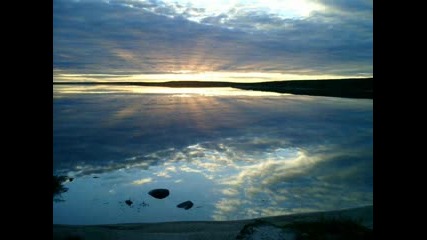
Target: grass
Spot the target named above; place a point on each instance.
(330, 229)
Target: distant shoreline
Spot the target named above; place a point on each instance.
(345, 88)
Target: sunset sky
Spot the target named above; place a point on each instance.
(216, 40)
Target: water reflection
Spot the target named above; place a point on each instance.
(228, 182)
(64, 90)
(234, 157)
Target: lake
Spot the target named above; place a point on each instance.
(235, 154)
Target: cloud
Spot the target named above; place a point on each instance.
(156, 37)
(348, 6)
(321, 177)
(254, 177)
(146, 136)
(142, 181)
(229, 209)
(229, 192)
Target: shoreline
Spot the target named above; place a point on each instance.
(344, 88)
(199, 229)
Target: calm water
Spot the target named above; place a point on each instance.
(235, 154)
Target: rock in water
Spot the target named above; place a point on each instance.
(186, 205)
(159, 193)
(129, 202)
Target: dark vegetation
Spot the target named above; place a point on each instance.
(74, 237)
(58, 187)
(325, 229)
(349, 88)
(316, 229)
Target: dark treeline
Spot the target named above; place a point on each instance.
(350, 88)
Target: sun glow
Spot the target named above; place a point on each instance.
(61, 91)
(188, 75)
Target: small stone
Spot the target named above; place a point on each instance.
(186, 205)
(128, 202)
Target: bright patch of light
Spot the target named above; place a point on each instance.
(187, 75)
(282, 8)
(229, 10)
(142, 181)
(63, 90)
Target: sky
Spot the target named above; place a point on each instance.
(216, 40)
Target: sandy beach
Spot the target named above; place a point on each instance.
(198, 230)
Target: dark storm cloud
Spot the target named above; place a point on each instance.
(138, 37)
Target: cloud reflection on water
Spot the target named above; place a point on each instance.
(61, 91)
(245, 184)
(142, 181)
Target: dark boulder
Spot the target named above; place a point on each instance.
(159, 193)
(186, 205)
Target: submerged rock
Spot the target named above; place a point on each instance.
(129, 202)
(186, 205)
(159, 193)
